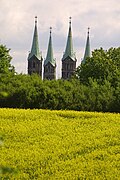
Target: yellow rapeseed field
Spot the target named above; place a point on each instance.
(62, 145)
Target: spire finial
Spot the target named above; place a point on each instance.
(50, 30)
(35, 19)
(88, 30)
(70, 20)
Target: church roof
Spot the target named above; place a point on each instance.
(49, 57)
(87, 49)
(69, 46)
(35, 45)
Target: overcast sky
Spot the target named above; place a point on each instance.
(17, 26)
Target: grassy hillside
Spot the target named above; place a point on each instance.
(43, 144)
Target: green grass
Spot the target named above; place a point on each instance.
(48, 145)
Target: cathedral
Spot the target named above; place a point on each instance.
(35, 59)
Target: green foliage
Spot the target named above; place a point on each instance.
(44, 144)
(5, 59)
(24, 91)
(103, 65)
(114, 54)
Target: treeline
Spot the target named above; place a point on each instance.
(24, 91)
(95, 86)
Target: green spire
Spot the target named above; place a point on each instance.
(49, 57)
(69, 47)
(35, 45)
(87, 49)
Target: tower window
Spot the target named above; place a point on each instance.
(33, 64)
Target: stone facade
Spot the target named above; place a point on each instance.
(35, 66)
(68, 68)
(49, 71)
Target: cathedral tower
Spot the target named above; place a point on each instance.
(49, 63)
(87, 49)
(69, 58)
(35, 57)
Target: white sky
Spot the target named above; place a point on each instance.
(17, 26)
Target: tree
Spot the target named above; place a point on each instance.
(103, 65)
(114, 54)
(6, 72)
(5, 61)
